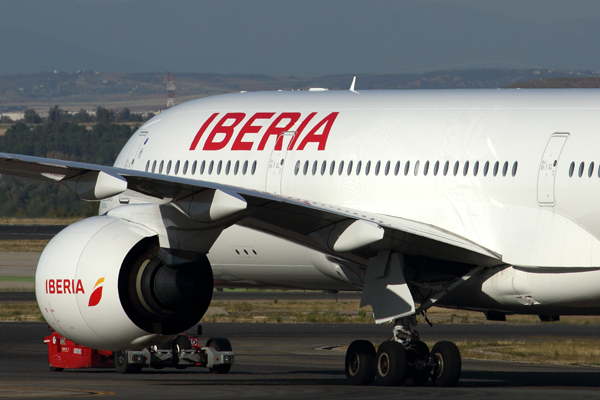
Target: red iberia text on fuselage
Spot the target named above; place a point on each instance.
(64, 286)
(245, 132)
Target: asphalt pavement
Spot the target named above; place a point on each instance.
(275, 361)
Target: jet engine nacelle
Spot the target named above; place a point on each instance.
(105, 283)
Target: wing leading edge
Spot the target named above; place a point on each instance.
(314, 224)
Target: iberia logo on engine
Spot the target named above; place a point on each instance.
(64, 286)
(72, 286)
(97, 293)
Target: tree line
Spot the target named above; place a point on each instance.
(98, 144)
(102, 115)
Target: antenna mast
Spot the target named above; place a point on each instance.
(170, 90)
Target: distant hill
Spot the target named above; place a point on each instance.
(147, 91)
(559, 83)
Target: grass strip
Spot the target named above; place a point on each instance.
(21, 246)
(20, 312)
(37, 221)
(17, 278)
(560, 351)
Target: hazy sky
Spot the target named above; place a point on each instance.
(306, 38)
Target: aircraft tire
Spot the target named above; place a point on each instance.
(219, 344)
(417, 352)
(447, 365)
(181, 342)
(122, 364)
(360, 363)
(391, 364)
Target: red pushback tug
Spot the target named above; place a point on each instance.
(182, 352)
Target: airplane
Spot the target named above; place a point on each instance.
(468, 199)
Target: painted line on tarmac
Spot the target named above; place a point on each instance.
(32, 392)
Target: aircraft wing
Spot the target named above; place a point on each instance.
(325, 227)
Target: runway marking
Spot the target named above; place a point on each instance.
(334, 347)
(33, 392)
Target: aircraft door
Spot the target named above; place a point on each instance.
(276, 162)
(135, 152)
(547, 172)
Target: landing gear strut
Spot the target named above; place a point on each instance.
(404, 359)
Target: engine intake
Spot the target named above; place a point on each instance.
(163, 298)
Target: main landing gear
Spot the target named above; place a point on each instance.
(403, 360)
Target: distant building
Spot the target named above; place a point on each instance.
(13, 116)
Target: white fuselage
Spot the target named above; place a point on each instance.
(491, 166)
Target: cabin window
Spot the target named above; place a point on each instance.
(236, 167)
(314, 168)
(194, 167)
(397, 168)
(387, 168)
(227, 167)
(332, 167)
(456, 165)
(581, 168)
(446, 167)
(514, 168)
(147, 165)
(323, 168)
(168, 167)
(476, 168)
(253, 167)
(202, 167)
(349, 171)
(496, 167)
(426, 168)
(341, 168)
(185, 167)
(486, 168)
(377, 168)
(591, 170)
(160, 168)
(211, 166)
(297, 167)
(358, 167)
(416, 171)
(436, 168)
(176, 171)
(245, 167)
(368, 168)
(571, 169)
(505, 168)
(466, 168)
(154, 167)
(406, 168)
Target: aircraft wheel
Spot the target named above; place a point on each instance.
(122, 364)
(360, 363)
(220, 344)
(181, 342)
(418, 372)
(445, 357)
(391, 364)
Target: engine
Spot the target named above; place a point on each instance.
(105, 283)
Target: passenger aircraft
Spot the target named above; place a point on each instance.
(471, 199)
